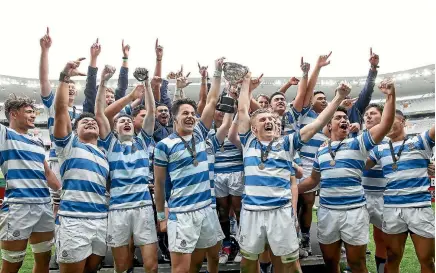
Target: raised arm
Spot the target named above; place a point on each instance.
(91, 79)
(203, 89)
(292, 81)
(112, 110)
(158, 69)
(223, 130)
(100, 102)
(52, 180)
(45, 43)
(302, 87)
(233, 133)
(243, 105)
(212, 97)
(62, 122)
(379, 131)
(358, 108)
(311, 129)
(150, 105)
(431, 133)
(322, 61)
(123, 78)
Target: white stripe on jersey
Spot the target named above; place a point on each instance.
(373, 180)
(268, 188)
(22, 163)
(191, 183)
(230, 160)
(309, 149)
(84, 171)
(340, 185)
(408, 186)
(49, 102)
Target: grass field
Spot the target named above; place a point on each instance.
(409, 264)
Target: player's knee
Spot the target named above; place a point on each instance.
(249, 256)
(223, 214)
(13, 256)
(357, 265)
(42, 247)
(290, 258)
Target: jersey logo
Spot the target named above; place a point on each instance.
(411, 146)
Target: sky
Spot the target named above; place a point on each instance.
(267, 36)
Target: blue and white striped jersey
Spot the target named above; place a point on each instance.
(84, 171)
(290, 121)
(269, 188)
(212, 147)
(22, 164)
(341, 184)
(151, 159)
(373, 180)
(129, 167)
(50, 107)
(406, 187)
(309, 150)
(230, 160)
(189, 186)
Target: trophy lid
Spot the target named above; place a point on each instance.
(234, 72)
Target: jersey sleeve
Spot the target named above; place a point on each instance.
(107, 142)
(161, 154)
(366, 143)
(3, 131)
(426, 142)
(245, 137)
(63, 146)
(374, 155)
(316, 166)
(201, 130)
(145, 137)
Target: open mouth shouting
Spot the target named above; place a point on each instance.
(344, 126)
(269, 127)
(189, 122)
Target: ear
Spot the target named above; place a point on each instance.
(253, 129)
(329, 126)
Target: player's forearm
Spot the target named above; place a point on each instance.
(112, 110)
(285, 87)
(159, 191)
(43, 74)
(203, 96)
(148, 124)
(301, 94)
(212, 96)
(308, 184)
(311, 85)
(379, 131)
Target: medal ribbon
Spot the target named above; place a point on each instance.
(331, 152)
(264, 154)
(395, 158)
(191, 151)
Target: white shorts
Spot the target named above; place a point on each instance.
(350, 226)
(418, 220)
(56, 195)
(307, 166)
(219, 232)
(190, 230)
(374, 205)
(21, 220)
(124, 223)
(273, 227)
(78, 238)
(229, 184)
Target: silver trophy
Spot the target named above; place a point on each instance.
(234, 73)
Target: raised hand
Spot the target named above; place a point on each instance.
(71, 70)
(294, 81)
(202, 70)
(354, 127)
(141, 74)
(155, 81)
(172, 76)
(254, 83)
(373, 59)
(347, 103)
(305, 67)
(95, 49)
(182, 82)
(125, 49)
(45, 41)
(323, 60)
(159, 50)
(107, 72)
(387, 86)
(137, 92)
(344, 89)
(219, 64)
(179, 73)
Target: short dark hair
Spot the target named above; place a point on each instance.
(276, 94)
(161, 104)
(341, 109)
(176, 105)
(137, 109)
(82, 116)
(122, 115)
(318, 92)
(71, 81)
(377, 106)
(400, 113)
(15, 103)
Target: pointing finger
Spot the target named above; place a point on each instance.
(260, 77)
(302, 61)
(370, 51)
(48, 31)
(187, 75)
(329, 54)
(157, 43)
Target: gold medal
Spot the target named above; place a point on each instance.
(394, 166)
(261, 166)
(332, 162)
(195, 162)
(222, 149)
(278, 146)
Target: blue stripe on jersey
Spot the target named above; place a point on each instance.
(340, 185)
(291, 121)
(84, 179)
(408, 186)
(49, 102)
(309, 150)
(228, 161)
(189, 186)
(374, 179)
(22, 164)
(268, 188)
(129, 167)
